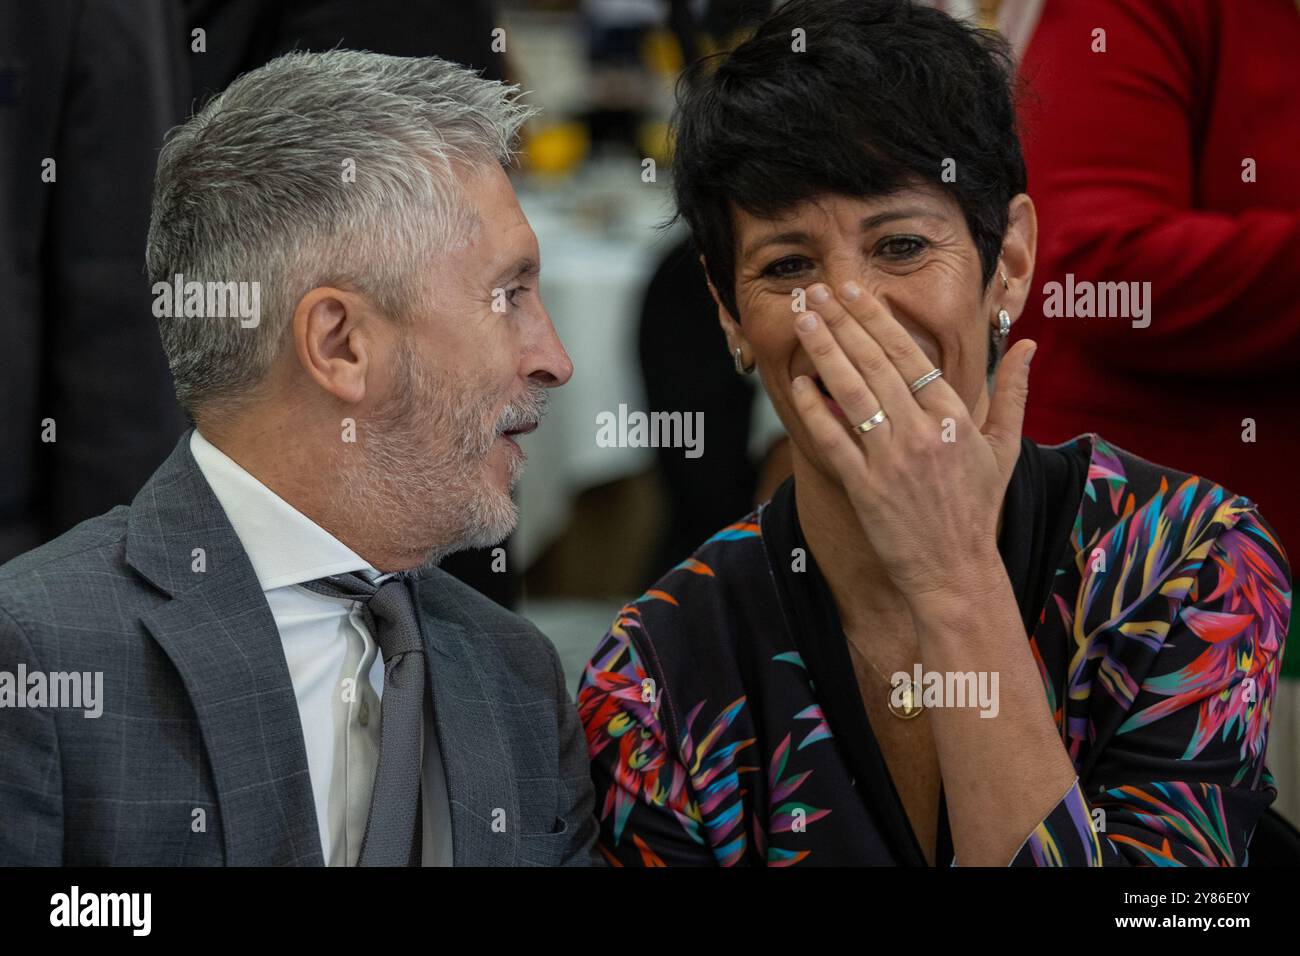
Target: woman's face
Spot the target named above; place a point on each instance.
(910, 249)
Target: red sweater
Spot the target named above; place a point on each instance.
(1135, 162)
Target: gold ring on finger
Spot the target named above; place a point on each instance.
(870, 423)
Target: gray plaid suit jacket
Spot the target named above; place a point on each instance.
(199, 712)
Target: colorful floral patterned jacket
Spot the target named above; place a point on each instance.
(1159, 646)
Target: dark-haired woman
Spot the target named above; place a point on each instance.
(939, 642)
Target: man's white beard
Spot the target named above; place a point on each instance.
(419, 475)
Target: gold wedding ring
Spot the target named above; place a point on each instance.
(925, 380)
(870, 423)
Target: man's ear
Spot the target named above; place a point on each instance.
(332, 340)
(730, 327)
(1017, 260)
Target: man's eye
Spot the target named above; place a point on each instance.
(785, 268)
(511, 293)
(900, 248)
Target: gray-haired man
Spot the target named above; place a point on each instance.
(346, 290)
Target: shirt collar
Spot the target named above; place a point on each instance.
(284, 546)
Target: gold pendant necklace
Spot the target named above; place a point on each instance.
(910, 694)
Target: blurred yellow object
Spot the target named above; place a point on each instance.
(661, 52)
(709, 46)
(654, 139)
(556, 149)
(738, 36)
(987, 14)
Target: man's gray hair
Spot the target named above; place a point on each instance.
(255, 188)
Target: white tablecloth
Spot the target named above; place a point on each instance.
(593, 282)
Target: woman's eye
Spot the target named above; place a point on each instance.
(511, 293)
(899, 248)
(785, 268)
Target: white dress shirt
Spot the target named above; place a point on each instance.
(337, 672)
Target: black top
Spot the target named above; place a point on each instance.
(1039, 509)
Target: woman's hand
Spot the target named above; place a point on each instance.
(926, 483)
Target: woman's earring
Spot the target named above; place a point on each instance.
(1004, 324)
(742, 369)
(1005, 283)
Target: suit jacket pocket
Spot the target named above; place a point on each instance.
(544, 848)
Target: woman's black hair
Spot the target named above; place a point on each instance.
(882, 94)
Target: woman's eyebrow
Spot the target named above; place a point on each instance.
(775, 240)
(867, 224)
(880, 218)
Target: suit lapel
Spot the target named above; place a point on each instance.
(218, 632)
(481, 785)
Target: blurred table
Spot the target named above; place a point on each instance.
(599, 247)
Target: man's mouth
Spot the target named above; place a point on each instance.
(520, 430)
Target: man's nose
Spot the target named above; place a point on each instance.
(551, 365)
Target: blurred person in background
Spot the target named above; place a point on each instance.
(683, 356)
(86, 92)
(1161, 142)
(779, 697)
(245, 34)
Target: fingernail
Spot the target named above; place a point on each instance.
(800, 383)
(1029, 356)
(850, 290)
(808, 321)
(819, 294)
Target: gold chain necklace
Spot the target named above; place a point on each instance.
(911, 694)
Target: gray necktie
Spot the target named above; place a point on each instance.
(394, 833)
